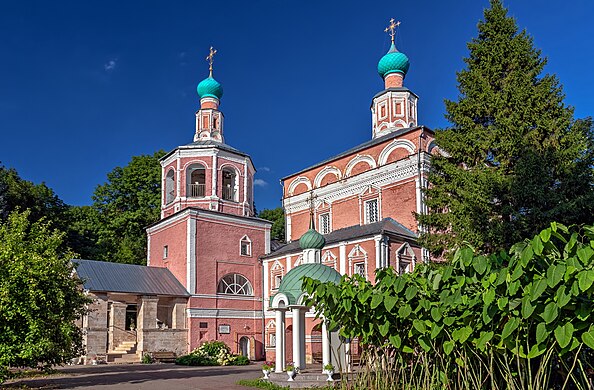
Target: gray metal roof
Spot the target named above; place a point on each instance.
(208, 144)
(362, 146)
(386, 225)
(105, 276)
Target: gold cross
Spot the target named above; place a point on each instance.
(392, 28)
(210, 59)
(312, 198)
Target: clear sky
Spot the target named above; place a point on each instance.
(85, 85)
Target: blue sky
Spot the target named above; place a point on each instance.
(85, 85)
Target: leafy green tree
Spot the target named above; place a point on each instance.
(277, 217)
(126, 205)
(515, 159)
(40, 300)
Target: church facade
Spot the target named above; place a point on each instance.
(363, 201)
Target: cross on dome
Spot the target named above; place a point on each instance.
(392, 29)
(210, 59)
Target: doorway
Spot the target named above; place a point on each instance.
(244, 346)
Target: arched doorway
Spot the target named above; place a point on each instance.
(244, 346)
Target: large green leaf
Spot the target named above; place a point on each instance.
(462, 334)
(550, 312)
(419, 326)
(384, 328)
(489, 296)
(545, 235)
(411, 292)
(527, 308)
(511, 325)
(541, 332)
(448, 347)
(395, 340)
(436, 314)
(555, 274)
(480, 264)
(404, 311)
(484, 339)
(538, 287)
(564, 334)
(376, 300)
(390, 302)
(588, 338)
(585, 278)
(562, 297)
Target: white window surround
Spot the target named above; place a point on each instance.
(357, 159)
(371, 210)
(235, 284)
(327, 170)
(324, 223)
(245, 246)
(297, 181)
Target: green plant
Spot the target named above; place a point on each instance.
(328, 367)
(516, 319)
(261, 384)
(289, 367)
(213, 348)
(147, 358)
(239, 360)
(195, 360)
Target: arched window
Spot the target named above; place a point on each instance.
(169, 186)
(229, 184)
(235, 284)
(196, 179)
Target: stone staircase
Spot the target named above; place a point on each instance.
(124, 353)
(304, 380)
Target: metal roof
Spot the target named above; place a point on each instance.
(105, 276)
(386, 225)
(364, 145)
(208, 144)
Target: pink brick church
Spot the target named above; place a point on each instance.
(354, 213)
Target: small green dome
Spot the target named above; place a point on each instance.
(209, 87)
(311, 239)
(292, 282)
(393, 62)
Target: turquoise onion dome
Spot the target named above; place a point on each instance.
(393, 62)
(210, 87)
(311, 239)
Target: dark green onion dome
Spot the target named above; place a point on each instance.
(311, 239)
(292, 282)
(209, 87)
(393, 62)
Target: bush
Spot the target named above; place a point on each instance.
(240, 361)
(195, 360)
(213, 348)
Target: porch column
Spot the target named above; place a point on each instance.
(298, 337)
(325, 344)
(280, 341)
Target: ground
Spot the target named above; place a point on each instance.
(141, 376)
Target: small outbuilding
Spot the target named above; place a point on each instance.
(136, 310)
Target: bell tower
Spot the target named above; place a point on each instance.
(396, 106)
(209, 120)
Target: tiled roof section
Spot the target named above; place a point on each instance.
(208, 144)
(360, 147)
(387, 225)
(103, 276)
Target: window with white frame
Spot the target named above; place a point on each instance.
(325, 223)
(166, 251)
(371, 211)
(235, 284)
(245, 246)
(359, 269)
(277, 281)
(272, 340)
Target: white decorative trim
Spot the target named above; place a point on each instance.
(398, 143)
(277, 300)
(297, 181)
(384, 175)
(250, 298)
(327, 170)
(191, 256)
(359, 158)
(223, 313)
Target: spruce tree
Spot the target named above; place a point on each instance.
(514, 159)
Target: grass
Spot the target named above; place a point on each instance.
(264, 384)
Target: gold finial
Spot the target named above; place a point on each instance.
(210, 59)
(392, 28)
(312, 197)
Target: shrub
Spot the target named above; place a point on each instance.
(240, 361)
(213, 348)
(195, 360)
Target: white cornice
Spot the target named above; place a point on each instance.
(223, 313)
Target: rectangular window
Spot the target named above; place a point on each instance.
(203, 325)
(277, 281)
(325, 223)
(272, 339)
(246, 248)
(371, 211)
(359, 269)
(165, 251)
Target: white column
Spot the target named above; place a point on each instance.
(280, 341)
(298, 338)
(378, 263)
(214, 176)
(325, 344)
(342, 258)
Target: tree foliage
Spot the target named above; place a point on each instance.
(39, 298)
(125, 205)
(520, 305)
(277, 217)
(515, 157)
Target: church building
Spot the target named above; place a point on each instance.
(353, 212)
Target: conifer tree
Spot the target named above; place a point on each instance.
(514, 159)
